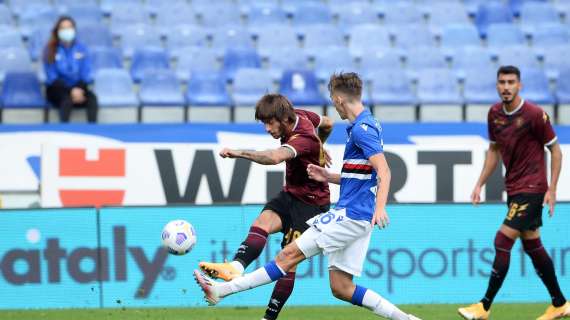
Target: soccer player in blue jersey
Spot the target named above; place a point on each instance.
(342, 234)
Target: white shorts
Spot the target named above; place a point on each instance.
(342, 240)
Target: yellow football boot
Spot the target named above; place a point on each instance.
(474, 312)
(224, 271)
(553, 312)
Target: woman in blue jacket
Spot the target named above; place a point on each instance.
(68, 71)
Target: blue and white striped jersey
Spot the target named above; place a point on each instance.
(358, 178)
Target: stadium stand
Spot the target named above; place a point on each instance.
(318, 36)
(117, 100)
(161, 97)
(249, 85)
(21, 99)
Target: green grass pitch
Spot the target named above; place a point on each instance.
(426, 312)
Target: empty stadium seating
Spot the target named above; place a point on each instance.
(293, 46)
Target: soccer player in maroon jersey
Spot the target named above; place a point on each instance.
(518, 132)
(302, 134)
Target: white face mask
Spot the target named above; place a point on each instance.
(66, 35)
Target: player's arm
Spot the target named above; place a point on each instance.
(321, 174)
(265, 157)
(555, 167)
(325, 128)
(379, 163)
(491, 162)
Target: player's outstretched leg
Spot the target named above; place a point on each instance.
(374, 302)
(281, 292)
(545, 270)
(247, 252)
(480, 311)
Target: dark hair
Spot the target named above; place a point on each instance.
(509, 70)
(51, 47)
(274, 106)
(348, 83)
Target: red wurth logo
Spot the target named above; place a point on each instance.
(74, 163)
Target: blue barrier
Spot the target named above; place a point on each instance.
(431, 253)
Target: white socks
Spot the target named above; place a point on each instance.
(382, 307)
(271, 272)
(238, 266)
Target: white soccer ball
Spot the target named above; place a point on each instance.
(179, 237)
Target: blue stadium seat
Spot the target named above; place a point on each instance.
(555, 59)
(105, 58)
(208, 98)
(231, 37)
(148, 59)
(10, 37)
(312, 13)
(14, 59)
(160, 87)
(546, 36)
(333, 60)
(320, 37)
(535, 87)
(287, 58)
(563, 86)
(438, 86)
(456, 36)
(424, 58)
(402, 13)
(520, 56)
(157, 7)
(108, 6)
(37, 42)
(262, 14)
(138, 36)
(6, 20)
(480, 87)
(170, 17)
(438, 94)
(114, 88)
(446, 13)
(517, 5)
(184, 36)
(117, 99)
(492, 13)
(249, 86)
(534, 14)
(392, 96)
(70, 3)
(372, 61)
(36, 18)
(238, 58)
(85, 14)
(301, 87)
(391, 87)
(471, 58)
(196, 59)
(294, 6)
(207, 89)
(410, 36)
(247, 6)
(161, 97)
(479, 91)
(366, 37)
(94, 35)
(18, 7)
(21, 92)
(358, 13)
(504, 34)
(219, 15)
(472, 6)
(125, 14)
(273, 39)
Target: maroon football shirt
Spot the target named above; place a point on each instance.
(307, 146)
(521, 136)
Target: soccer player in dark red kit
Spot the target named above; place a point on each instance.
(302, 134)
(518, 132)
